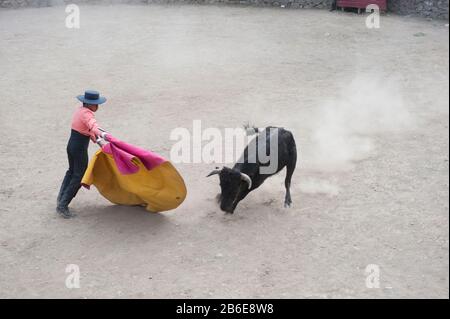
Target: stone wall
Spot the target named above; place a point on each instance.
(425, 8)
(319, 4)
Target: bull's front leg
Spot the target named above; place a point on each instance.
(240, 197)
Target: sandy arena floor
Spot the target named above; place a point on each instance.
(369, 110)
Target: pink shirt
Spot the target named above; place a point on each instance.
(84, 122)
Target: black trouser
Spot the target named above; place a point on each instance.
(333, 5)
(78, 161)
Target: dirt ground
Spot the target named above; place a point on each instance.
(368, 108)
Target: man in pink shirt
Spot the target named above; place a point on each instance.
(84, 127)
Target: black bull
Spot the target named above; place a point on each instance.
(248, 173)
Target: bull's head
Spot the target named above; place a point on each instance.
(234, 185)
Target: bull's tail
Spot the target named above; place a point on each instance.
(250, 129)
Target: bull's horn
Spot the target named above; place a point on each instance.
(214, 172)
(246, 178)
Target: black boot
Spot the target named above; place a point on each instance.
(65, 212)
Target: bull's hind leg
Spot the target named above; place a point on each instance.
(287, 184)
(290, 167)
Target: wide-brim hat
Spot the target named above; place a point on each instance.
(91, 97)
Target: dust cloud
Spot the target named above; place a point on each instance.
(344, 129)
